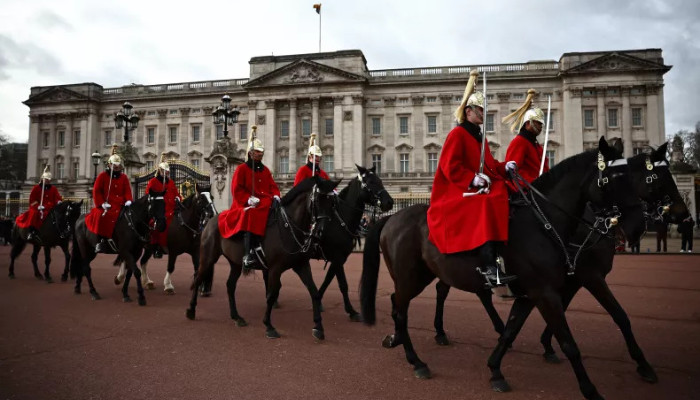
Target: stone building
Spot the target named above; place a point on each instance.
(396, 119)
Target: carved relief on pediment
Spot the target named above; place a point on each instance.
(305, 74)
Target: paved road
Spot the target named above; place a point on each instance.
(56, 345)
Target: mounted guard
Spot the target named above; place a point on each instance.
(161, 182)
(527, 121)
(254, 191)
(469, 201)
(42, 199)
(111, 192)
(313, 164)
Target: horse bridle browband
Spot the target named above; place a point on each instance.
(662, 205)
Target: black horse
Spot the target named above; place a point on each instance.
(339, 234)
(287, 242)
(184, 234)
(131, 233)
(536, 255)
(6, 231)
(55, 231)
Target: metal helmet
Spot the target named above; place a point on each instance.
(533, 114)
(114, 159)
(526, 112)
(314, 150)
(469, 98)
(255, 144)
(164, 166)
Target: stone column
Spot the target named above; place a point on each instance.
(315, 117)
(389, 134)
(162, 137)
(252, 119)
(293, 135)
(338, 133)
(600, 111)
(184, 140)
(208, 128)
(627, 121)
(33, 148)
(418, 135)
(358, 137)
(69, 148)
(270, 138)
(573, 124)
(654, 125)
(53, 144)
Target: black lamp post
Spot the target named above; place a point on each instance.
(126, 118)
(96, 157)
(225, 114)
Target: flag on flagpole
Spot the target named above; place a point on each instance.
(317, 7)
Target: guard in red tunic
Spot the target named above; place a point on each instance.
(249, 210)
(313, 165)
(159, 183)
(111, 192)
(42, 199)
(460, 223)
(524, 148)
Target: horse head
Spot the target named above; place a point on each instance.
(655, 186)
(156, 209)
(204, 202)
(611, 192)
(376, 194)
(66, 214)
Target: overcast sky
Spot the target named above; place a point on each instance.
(114, 43)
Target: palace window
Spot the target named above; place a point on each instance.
(589, 119)
(637, 117)
(172, 134)
(432, 124)
(150, 135)
(432, 162)
(284, 128)
(242, 131)
(329, 127)
(328, 164)
(403, 125)
(195, 133)
(376, 126)
(403, 163)
(377, 163)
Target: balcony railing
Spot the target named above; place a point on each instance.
(435, 71)
(174, 87)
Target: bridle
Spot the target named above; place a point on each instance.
(303, 239)
(203, 217)
(128, 215)
(662, 206)
(63, 234)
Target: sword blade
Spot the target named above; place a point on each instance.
(483, 131)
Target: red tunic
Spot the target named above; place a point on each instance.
(306, 172)
(118, 195)
(171, 192)
(458, 223)
(241, 218)
(527, 153)
(32, 217)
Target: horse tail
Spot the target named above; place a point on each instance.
(76, 258)
(370, 272)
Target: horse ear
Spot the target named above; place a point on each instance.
(373, 169)
(660, 153)
(605, 149)
(361, 170)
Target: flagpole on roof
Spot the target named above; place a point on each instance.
(317, 7)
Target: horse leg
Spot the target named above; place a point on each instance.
(145, 279)
(120, 275)
(205, 287)
(35, 258)
(487, 301)
(137, 276)
(567, 295)
(442, 289)
(330, 274)
(231, 282)
(47, 261)
(273, 290)
(552, 310)
(304, 272)
(343, 285)
(600, 290)
(125, 287)
(88, 275)
(518, 315)
(168, 287)
(17, 247)
(266, 278)
(66, 253)
(400, 314)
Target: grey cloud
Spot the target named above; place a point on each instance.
(47, 19)
(14, 55)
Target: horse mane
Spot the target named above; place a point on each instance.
(306, 185)
(188, 201)
(344, 193)
(559, 171)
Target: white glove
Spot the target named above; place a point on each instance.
(41, 208)
(276, 198)
(59, 202)
(511, 166)
(128, 203)
(253, 201)
(480, 180)
(106, 206)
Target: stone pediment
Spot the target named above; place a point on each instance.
(432, 146)
(304, 72)
(55, 94)
(404, 147)
(617, 62)
(375, 148)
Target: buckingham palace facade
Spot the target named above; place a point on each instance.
(395, 119)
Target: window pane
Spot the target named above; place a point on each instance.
(612, 118)
(195, 162)
(328, 163)
(61, 138)
(108, 138)
(76, 170)
(243, 132)
(403, 125)
(432, 124)
(403, 163)
(173, 134)
(46, 139)
(377, 162)
(219, 132)
(636, 117)
(329, 127)
(588, 119)
(151, 135)
(550, 158)
(376, 126)
(195, 133)
(76, 138)
(284, 164)
(149, 165)
(284, 129)
(489, 122)
(432, 162)
(59, 170)
(306, 127)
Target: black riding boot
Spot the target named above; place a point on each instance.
(250, 259)
(33, 234)
(493, 275)
(101, 246)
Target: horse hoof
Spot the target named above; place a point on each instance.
(205, 294)
(356, 317)
(39, 277)
(647, 373)
(49, 279)
(442, 340)
(551, 358)
(126, 299)
(117, 281)
(389, 342)
(169, 291)
(96, 296)
(240, 322)
(500, 386)
(150, 286)
(142, 301)
(190, 314)
(272, 334)
(64, 278)
(422, 373)
(318, 334)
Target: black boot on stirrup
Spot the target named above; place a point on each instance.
(250, 260)
(493, 275)
(101, 246)
(33, 234)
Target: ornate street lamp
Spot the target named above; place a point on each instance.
(126, 118)
(96, 158)
(225, 114)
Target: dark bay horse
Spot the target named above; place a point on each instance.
(535, 255)
(287, 242)
(130, 234)
(184, 234)
(340, 232)
(55, 231)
